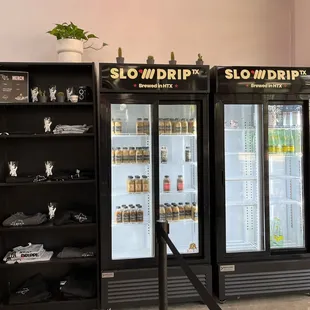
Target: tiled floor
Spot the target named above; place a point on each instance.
(298, 302)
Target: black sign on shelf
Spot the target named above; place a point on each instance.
(150, 78)
(14, 86)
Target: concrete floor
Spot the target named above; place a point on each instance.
(298, 302)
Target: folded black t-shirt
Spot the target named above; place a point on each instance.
(35, 289)
(70, 217)
(79, 283)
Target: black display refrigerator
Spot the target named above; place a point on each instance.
(154, 163)
(261, 174)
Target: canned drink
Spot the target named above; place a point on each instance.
(164, 155)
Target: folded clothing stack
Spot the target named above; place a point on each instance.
(71, 217)
(35, 289)
(21, 219)
(71, 252)
(28, 254)
(79, 284)
(73, 129)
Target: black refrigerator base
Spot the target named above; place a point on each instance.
(242, 280)
(139, 287)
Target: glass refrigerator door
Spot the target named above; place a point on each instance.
(286, 193)
(243, 188)
(178, 175)
(132, 198)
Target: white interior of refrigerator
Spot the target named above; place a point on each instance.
(286, 193)
(132, 198)
(243, 164)
(178, 175)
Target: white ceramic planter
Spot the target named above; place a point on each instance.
(69, 50)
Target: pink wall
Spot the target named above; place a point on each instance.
(301, 30)
(226, 32)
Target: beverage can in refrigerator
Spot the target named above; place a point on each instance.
(161, 126)
(146, 155)
(130, 184)
(166, 184)
(175, 212)
(188, 210)
(139, 126)
(125, 155)
(181, 211)
(138, 184)
(194, 212)
(139, 155)
(118, 155)
(133, 214)
(146, 126)
(162, 213)
(118, 215)
(298, 141)
(126, 215)
(177, 126)
(168, 126)
(188, 154)
(140, 214)
(164, 155)
(132, 155)
(180, 183)
(145, 184)
(118, 126)
(192, 126)
(184, 126)
(168, 212)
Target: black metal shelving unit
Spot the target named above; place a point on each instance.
(69, 152)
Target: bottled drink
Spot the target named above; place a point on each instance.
(166, 184)
(146, 126)
(297, 140)
(271, 142)
(290, 142)
(164, 155)
(277, 238)
(285, 141)
(278, 146)
(286, 116)
(188, 154)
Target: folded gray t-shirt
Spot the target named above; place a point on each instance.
(71, 252)
(21, 219)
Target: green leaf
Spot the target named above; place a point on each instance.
(92, 36)
(70, 31)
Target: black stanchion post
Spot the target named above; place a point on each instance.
(162, 265)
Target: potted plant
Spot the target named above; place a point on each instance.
(42, 96)
(120, 59)
(150, 60)
(199, 61)
(70, 41)
(172, 61)
(60, 97)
